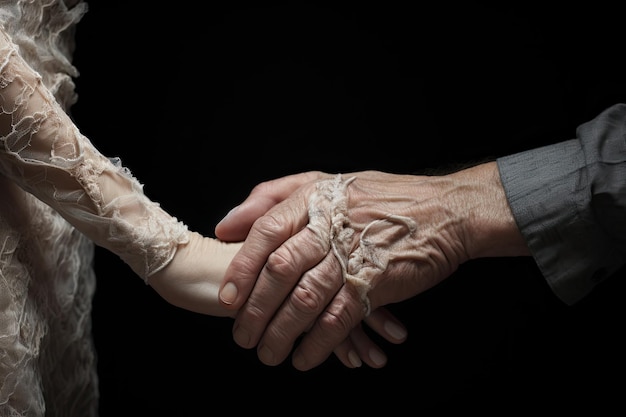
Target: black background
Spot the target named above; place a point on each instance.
(203, 101)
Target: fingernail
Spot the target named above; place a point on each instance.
(241, 336)
(377, 357)
(266, 355)
(394, 330)
(228, 215)
(228, 293)
(298, 361)
(354, 359)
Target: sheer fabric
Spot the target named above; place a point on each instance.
(58, 196)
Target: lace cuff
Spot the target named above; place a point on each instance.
(44, 153)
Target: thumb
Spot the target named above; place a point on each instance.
(235, 226)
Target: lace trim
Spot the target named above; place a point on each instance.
(45, 154)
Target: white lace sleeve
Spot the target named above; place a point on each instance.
(43, 151)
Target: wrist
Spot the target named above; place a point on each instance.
(489, 228)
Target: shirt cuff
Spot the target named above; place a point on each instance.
(548, 192)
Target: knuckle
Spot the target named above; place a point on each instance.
(317, 287)
(263, 188)
(252, 314)
(312, 294)
(296, 255)
(269, 227)
(309, 242)
(332, 322)
(278, 338)
(245, 266)
(280, 264)
(343, 314)
(307, 301)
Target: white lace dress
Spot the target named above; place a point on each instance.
(58, 195)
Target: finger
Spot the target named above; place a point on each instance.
(267, 234)
(386, 325)
(192, 278)
(359, 347)
(347, 353)
(275, 283)
(332, 326)
(366, 349)
(301, 307)
(235, 226)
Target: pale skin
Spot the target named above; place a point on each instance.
(192, 279)
(43, 152)
(285, 285)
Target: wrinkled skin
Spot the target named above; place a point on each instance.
(287, 282)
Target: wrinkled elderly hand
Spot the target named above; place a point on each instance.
(333, 248)
(193, 277)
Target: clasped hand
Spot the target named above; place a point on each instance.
(317, 259)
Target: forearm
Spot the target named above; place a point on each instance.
(43, 152)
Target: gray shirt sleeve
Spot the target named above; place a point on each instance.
(569, 201)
